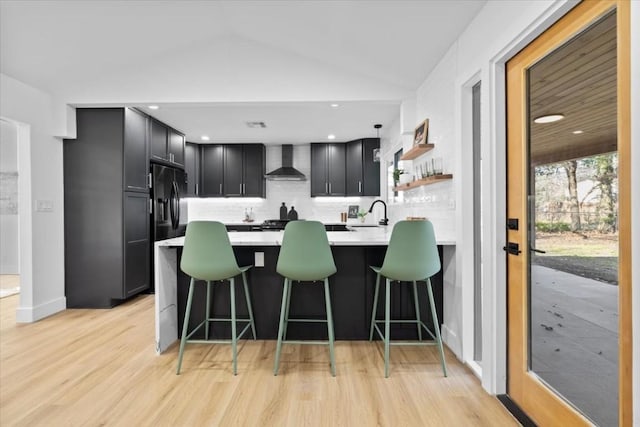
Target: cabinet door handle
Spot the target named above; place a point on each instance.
(150, 180)
(150, 206)
(196, 189)
(359, 186)
(326, 188)
(329, 188)
(220, 188)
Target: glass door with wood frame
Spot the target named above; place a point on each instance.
(565, 221)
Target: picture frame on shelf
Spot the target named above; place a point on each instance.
(353, 211)
(421, 132)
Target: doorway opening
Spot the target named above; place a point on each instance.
(9, 219)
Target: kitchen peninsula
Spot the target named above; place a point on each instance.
(351, 287)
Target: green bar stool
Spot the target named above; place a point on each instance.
(412, 256)
(208, 256)
(305, 255)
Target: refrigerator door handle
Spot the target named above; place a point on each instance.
(175, 184)
(172, 205)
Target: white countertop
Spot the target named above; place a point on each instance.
(363, 236)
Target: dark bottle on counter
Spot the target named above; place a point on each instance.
(283, 211)
(293, 215)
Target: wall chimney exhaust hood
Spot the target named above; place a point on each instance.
(287, 172)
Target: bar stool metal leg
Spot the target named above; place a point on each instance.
(246, 294)
(436, 326)
(415, 299)
(327, 298)
(208, 311)
(281, 326)
(387, 319)
(286, 318)
(375, 307)
(234, 337)
(185, 325)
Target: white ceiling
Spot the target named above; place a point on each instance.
(212, 65)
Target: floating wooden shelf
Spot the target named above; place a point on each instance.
(421, 182)
(416, 151)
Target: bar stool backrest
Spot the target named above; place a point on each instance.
(207, 253)
(305, 253)
(412, 253)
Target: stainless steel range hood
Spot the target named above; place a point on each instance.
(287, 172)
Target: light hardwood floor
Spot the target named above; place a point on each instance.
(99, 367)
(9, 284)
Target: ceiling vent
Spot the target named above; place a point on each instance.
(254, 125)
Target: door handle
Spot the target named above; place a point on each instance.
(329, 188)
(512, 248)
(220, 188)
(359, 186)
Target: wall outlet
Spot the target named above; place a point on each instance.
(44, 205)
(258, 259)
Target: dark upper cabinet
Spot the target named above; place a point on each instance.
(136, 163)
(254, 168)
(244, 169)
(192, 168)
(319, 183)
(175, 147)
(328, 170)
(362, 172)
(233, 170)
(211, 170)
(167, 144)
(159, 134)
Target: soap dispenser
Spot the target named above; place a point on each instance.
(283, 211)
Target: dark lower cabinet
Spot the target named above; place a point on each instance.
(352, 289)
(107, 235)
(137, 247)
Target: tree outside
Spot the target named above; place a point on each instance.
(576, 216)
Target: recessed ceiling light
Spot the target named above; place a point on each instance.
(577, 132)
(331, 136)
(153, 107)
(204, 137)
(335, 105)
(549, 118)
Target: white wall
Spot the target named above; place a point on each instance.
(293, 193)
(9, 249)
(40, 165)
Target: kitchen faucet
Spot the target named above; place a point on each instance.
(385, 220)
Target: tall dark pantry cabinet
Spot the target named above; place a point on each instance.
(106, 207)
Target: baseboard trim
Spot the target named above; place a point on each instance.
(516, 411)
(33, 314)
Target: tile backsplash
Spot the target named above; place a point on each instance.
(292, 193)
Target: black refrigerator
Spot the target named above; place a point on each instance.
(169, 209)
(169, 216)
